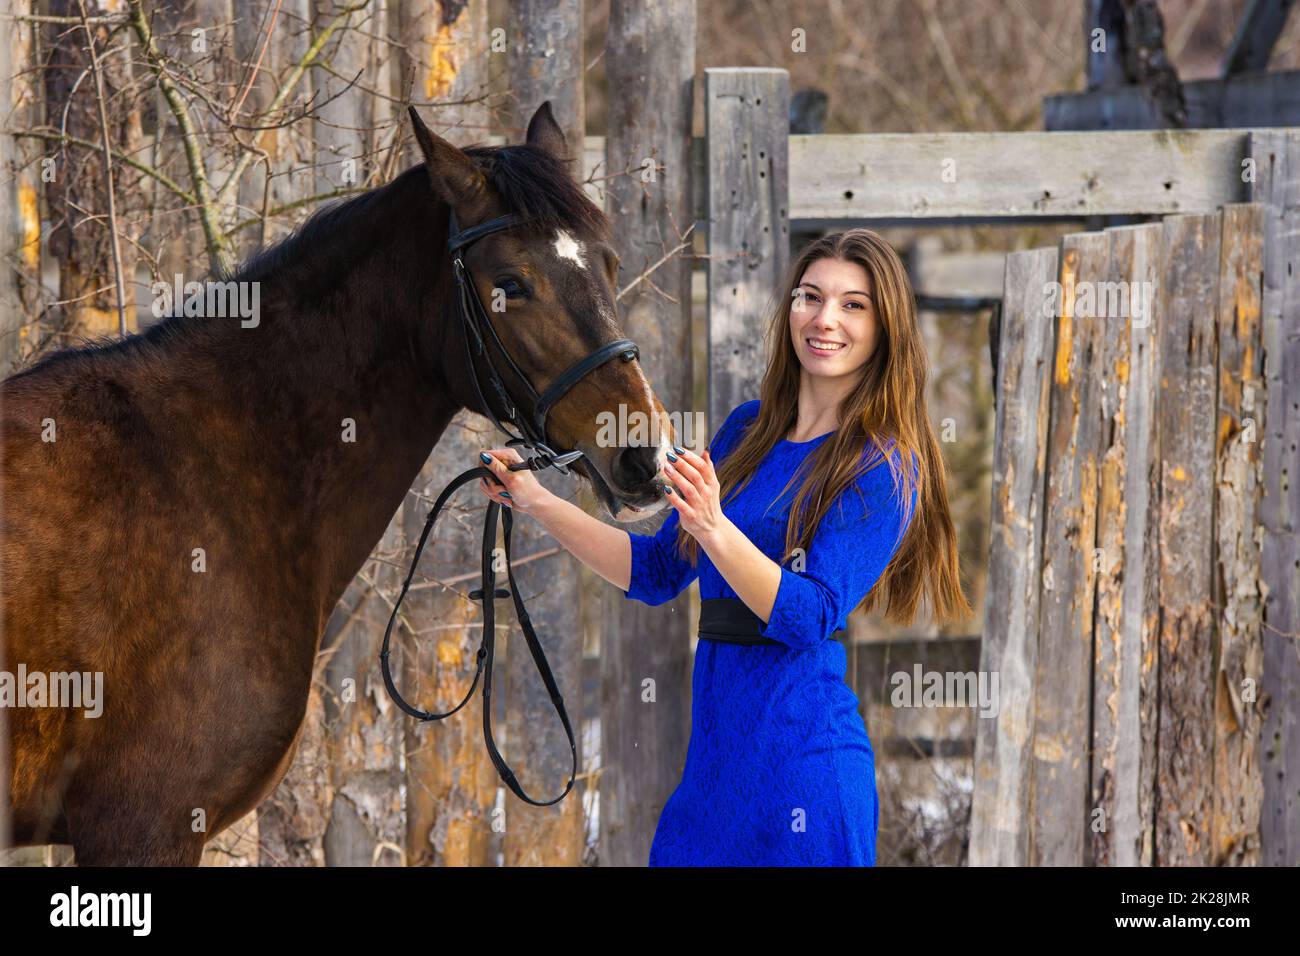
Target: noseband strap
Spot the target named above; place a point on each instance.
(477, 330)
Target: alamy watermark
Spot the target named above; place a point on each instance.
(626, 429)
(73, 689)
(213, 300)
(1102, 300)
(922, 688)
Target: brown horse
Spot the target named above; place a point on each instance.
(281, 447)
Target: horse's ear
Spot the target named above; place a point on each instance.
(545, 132)
(453, 175)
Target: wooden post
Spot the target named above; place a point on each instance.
(1238, 780)
(999, 805)
(746, 118)
(20, 222)
(1105, 60)
(650, 59)
(451, 786)
(1276, 168)
(363, 729)
(1261, 26)
(1059, 811)
(291, 823)
(1187, 419)
(546, 63)
(288, 176)
(1124, 674)
(81, 244)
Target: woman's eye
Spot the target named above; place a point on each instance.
(513, 288)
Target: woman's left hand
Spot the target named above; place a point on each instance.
(697, 497)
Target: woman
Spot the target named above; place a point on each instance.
(779, 769)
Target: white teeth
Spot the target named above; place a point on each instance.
(825, 346)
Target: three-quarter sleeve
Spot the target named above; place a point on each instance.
(851, 548)
(659, 572)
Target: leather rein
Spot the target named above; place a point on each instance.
(477, 329)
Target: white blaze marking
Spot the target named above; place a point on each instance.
(566, 247)
(665, 446)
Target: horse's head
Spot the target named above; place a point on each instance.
(548, 288)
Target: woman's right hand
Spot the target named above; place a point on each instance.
(521, 491)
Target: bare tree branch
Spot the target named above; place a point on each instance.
(218, 258)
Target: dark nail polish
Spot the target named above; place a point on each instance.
(668, 489)
(672, 457)
(485, 457)
(679, 451)
(506, 494)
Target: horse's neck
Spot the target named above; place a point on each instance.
(334, 402)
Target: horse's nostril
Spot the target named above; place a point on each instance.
(635, 466)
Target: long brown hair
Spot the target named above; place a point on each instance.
(887, 407)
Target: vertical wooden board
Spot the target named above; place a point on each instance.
(364, 738)
(1123, 671)
(1276, 158)
(1238, 779)
(286, 174)
(20, 221)
(1189, 283)
(999, 802)
(651, 92)
(1059, 774)
(746, 118)
(545, 64)
(451, 786)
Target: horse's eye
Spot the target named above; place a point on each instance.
(512, 287)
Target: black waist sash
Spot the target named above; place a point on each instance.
(730, 621)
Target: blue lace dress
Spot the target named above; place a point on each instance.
(779, 769)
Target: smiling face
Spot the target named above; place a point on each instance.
(834, 326)
(550, 298)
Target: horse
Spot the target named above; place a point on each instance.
(182, 509)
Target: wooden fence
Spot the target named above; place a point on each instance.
(1126, 597)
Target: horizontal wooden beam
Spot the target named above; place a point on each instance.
(950, 177)
(1256, 100)
(1045, 175)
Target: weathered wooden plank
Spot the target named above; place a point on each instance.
(1000, 800)
(364, 733)
(451, 785)
(20, 233)
(20, 220)
(1187, 419)
(649, 109)
(545, 63)
(748, 224)
(1238, 723)
(894, 178)
(1276, 157)
(1249, 101)
(930, 175)
(1059, 765)
(1124, 674)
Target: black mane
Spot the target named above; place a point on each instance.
(530, 182)
(534, 184)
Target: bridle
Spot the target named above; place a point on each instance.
(532, 429)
